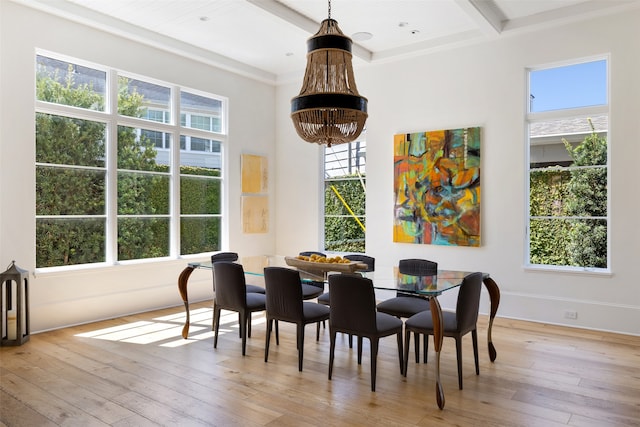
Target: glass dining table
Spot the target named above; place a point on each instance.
(383, 278)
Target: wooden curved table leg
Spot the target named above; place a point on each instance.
(438, 335)
(494, 295)
(183, 279)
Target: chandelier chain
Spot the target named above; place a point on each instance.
(329, 11)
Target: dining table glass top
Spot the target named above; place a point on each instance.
(385, 277)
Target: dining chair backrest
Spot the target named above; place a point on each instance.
(364, 259)
(224, 256)
(468, 303)
(417, 266)
(231, 290)
(284, 293)
(309, 253)
(221, 257)
(353, 304)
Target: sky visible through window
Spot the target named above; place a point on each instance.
(572, 86)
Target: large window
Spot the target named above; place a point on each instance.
(568, 197)
(110, 183)
(344, 197)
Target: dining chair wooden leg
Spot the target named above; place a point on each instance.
(332, 348)
(426, 349)
(400, 352)
(216, 326)
(417, 345)
(266, 341)
(374, 359)
(243, 333)
(459, 357)
(300, 335)
(474, 339)
(359, 350)
(407, 340)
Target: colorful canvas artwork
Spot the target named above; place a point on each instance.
(437, 187)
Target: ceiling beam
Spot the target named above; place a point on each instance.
(293, 17)
(485, 14)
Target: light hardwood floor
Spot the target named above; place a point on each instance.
(138, 371)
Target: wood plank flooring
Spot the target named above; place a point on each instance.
(138, 371)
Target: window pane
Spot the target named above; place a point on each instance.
(65, 191)
(199, 235)
(143, 194)
(69, 241)
(199, 195)
(137, 97)
(572, 86)
(66, 83)
(200, 156)
(137, 151)
(67, 141)
(345, 159)
(345, 197)
(549, 192)
(344, 231)
(200, 112)
(556, 142)
(140, 238)
(562, 242)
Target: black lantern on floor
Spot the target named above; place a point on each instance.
(14, 318)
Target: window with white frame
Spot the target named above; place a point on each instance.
(345, 196)
(568, 186)
(106, 167)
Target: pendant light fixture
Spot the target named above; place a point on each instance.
(329, 110)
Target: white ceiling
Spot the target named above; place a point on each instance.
(266, 39)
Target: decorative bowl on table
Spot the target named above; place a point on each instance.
(319, 266)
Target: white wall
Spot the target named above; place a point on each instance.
(485, 85)
(59, 299)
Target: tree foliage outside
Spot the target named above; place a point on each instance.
(71, 224)
(342, 233)
(568, 208)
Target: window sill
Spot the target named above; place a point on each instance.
(601, 272)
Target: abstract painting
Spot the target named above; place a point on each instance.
(437, 187)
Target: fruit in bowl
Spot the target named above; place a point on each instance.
(321, 259)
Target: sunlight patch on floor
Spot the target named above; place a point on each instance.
(166, 331)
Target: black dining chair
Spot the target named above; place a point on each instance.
(231, 257)
(353, 311)
(231, 294)
(364, 259)
(455, 324)
(405, 306)
(284, 303)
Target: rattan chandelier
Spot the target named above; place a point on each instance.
(329, 110)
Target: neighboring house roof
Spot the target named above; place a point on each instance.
(553, 130)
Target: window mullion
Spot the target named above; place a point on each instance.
(174, 205)
(112, 169)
